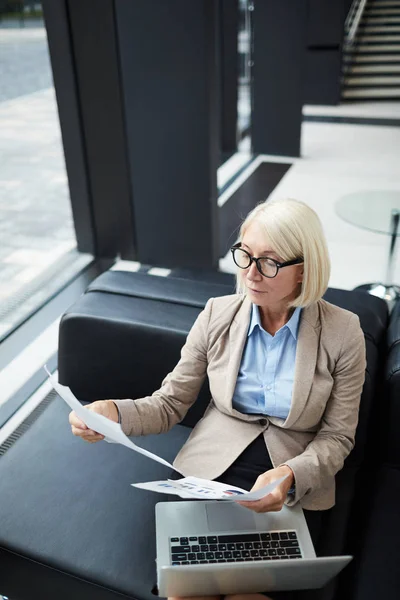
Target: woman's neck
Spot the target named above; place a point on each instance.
(273, 319)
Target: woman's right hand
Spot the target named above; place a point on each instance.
(107, 408)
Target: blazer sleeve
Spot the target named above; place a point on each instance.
(168, 405)
(324, 456)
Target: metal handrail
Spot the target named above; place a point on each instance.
(353, 20)
(350, 16)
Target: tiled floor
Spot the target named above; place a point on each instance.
(24, 61)
(337, 160)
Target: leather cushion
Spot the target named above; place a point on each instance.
(69, 505)
(376, 571)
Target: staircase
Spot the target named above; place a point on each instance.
(372, 59)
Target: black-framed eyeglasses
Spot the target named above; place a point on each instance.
(268, 267)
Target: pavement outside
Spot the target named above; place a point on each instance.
(37, 235)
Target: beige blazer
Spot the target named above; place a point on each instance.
(319, 430)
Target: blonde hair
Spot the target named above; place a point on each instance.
(294, 231)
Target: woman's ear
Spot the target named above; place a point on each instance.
(300, 275)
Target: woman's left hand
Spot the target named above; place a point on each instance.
(275, 500)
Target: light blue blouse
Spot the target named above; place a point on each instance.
(265, 380)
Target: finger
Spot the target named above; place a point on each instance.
(252, 505)
(264, 508)
(92, 440)
(86, 433)
(76, 422)
(78, 431)
(266, 504)
(90, 434)
(96, 437)
(273, 501)
(270, 498)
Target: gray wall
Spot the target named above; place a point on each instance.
(324, 51)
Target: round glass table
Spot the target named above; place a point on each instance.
(378, 211)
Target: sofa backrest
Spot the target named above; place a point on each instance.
(373, 315)
(125, 334)
(166, 289)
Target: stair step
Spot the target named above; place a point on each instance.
(389, 93)
(379, 29)
(387, 12)
(384, 3)
(370, 69)
(373, 49)
(381, 59)
(378, 39)
(373, 81)
(382, 8)
(380, 20)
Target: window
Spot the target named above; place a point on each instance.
(37, 237)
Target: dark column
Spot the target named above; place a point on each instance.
(168, 69)
(97, 70)
(62, 62)
(84, 59)
(137, 94)
(228, 45)
(278, 72)
(324, 51)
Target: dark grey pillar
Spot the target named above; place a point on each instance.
(84, 59)
(168, 68)
(97, 71)
(66, 88)
(278, 72)
(325, 29)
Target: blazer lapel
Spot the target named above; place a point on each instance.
(306, 360)
(237, 340)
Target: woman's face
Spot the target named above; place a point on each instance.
(273, 292)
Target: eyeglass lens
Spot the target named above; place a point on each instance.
(243, 260)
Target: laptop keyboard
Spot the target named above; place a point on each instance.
(243, 547)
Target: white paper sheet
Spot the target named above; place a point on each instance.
(193, 487)
(112, 431)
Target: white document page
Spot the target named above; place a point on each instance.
(193, 487)
(112, 431)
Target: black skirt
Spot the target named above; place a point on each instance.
(254, 461)
(243, 473)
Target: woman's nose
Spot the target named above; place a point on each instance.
(253, 272)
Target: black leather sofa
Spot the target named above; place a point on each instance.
(70, 523)
(377, 556)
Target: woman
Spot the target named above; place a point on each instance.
(285, 368)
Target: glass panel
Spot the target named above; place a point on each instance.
(37, 238)
(245, 72)
(370, 209)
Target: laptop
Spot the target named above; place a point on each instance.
(211, 547)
